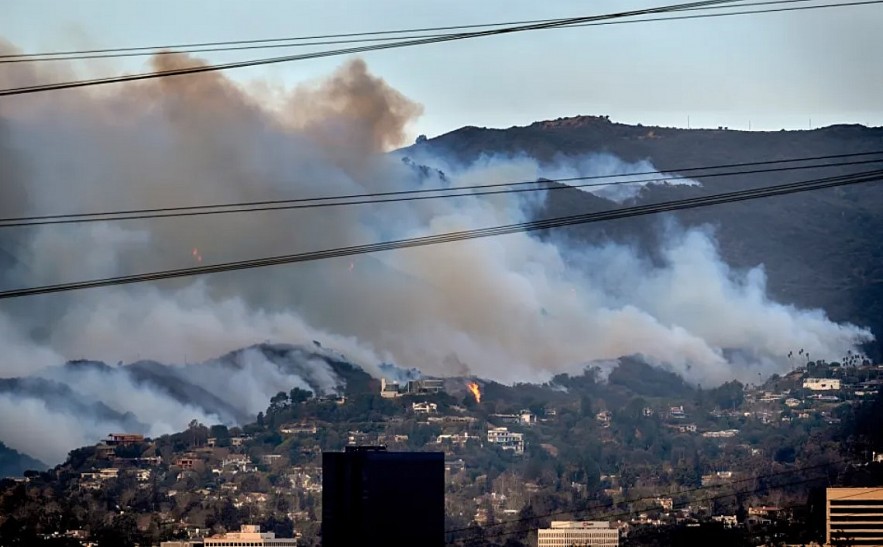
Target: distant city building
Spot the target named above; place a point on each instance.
(454, 466)
(526, 417)
(604, 417)
(186, 463)
(578, 533)
(666, 503)
(821, 384)
(124, 438)
(249, 535)
(456, 438)
(724, 434)
(854, 516)
(425, 386)
(424, 407)
(270, 459)
(374, 497)
(302, 427)
(507, 440)
(677, 412)
(729, 521)
(389, 390)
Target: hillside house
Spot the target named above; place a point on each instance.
(505, 439)
(821, 384)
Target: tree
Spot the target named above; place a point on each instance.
(278, 402)
(298, 395)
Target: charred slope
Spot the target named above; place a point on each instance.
(820, 249)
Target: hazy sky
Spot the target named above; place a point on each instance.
(774, 70)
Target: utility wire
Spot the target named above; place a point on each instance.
(347, 38)
(542, 184)
(427, 39)
(361, 49)
(545, 224)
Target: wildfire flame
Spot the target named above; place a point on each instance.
(475, 390)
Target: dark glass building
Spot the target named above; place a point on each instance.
(374, 497)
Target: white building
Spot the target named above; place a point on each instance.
(526, 417)
(389, 390)
(249, 536)
(724, 434)
(424, 407)
(507, 440)
(570, 533)
(821, 384)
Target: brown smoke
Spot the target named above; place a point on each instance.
(353, 109)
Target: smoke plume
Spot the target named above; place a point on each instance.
(509, 308)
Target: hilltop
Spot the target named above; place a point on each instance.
(819, 249)
(13, 463)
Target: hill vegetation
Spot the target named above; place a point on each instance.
(592, 448)
(819, 249)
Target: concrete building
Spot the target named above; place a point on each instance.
(426, 386)
(124, 438)
(374, 497)
(389, 390)
(569, 533)
(526, 417)
(854, 516)
(507, 440)
(249, 535)
(424, 407)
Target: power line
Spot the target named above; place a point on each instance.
(428, 39)
(347, 38)
(542, 184)
(404, 43)
(545, 224)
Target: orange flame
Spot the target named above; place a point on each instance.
(475, 390)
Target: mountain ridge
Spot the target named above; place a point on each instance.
(817, 249)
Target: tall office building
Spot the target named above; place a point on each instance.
(374, 497)
(854, 516)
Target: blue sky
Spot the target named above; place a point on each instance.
(774, 71)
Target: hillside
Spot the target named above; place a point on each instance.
(14, 463)
(660, 456)
(82, 401)
(819, 249)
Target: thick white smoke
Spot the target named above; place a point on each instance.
(508, 308)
